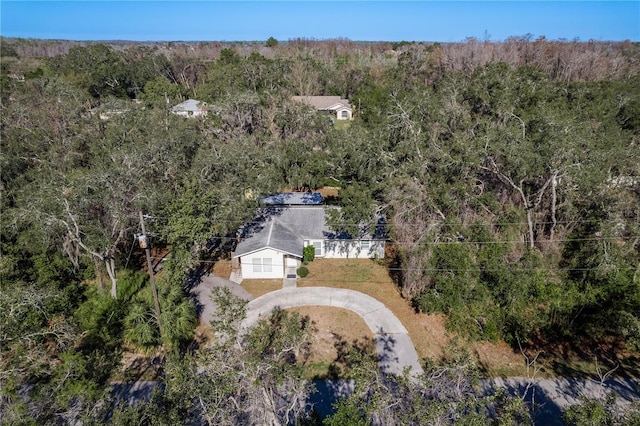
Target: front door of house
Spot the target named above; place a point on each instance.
(290, 265)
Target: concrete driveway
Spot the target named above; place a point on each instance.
(395, 348)
(202, 294)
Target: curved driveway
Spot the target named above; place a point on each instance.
(395, 349)
(202, 295)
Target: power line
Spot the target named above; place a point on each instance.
(428, 223)
(557, 240)
(419, 243)
(532, 269)
(437, 222)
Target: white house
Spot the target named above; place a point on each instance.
(271, 246)
(115, 107)
(341, 107)
(190, 108)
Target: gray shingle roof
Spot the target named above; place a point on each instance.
(286, 228)
(284, 240)
(190, 105)
(323, 102)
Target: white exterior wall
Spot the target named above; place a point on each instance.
(353, 249)
(277, 264)
(339, 114)
(198, 113)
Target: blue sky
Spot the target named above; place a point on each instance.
(443, 21)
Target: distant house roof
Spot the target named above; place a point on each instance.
(324, 102)
(285, 228)
(293, 199)
(112, 108)
(190, 105)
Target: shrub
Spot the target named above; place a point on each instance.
(308, 254)
(302, 271)
(271, 42)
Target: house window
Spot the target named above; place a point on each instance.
(344, 114)
(262, 264)
(365, 244)
(318, 247)
(257, 264)
(266, 264)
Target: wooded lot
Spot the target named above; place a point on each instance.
(508, 173)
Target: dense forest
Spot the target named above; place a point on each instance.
(508, 173)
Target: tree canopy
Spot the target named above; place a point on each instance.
(508, 175)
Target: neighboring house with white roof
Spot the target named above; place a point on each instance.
(341, 107)
(114, 107)
(271, 246)
(191, 108)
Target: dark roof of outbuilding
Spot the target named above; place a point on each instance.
(293, 198)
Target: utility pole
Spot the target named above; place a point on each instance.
(144, 243)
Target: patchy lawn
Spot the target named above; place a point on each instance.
(336, 328)
(369, 277)
(258, 288)
(222, 268)
(341, 124)
(426, 331)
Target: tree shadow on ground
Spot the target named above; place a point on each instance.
(348, 356)
(385, 344)
(587, 357)
(542, 408)
(144, 368)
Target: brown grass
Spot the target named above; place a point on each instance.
(328, 191)
(259, 288)
(222, 268)
(335, 327)
(427, 332)
(368, 277)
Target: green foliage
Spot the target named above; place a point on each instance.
(510, 190)
(233, 311)
(346, 414)
(7, 50)
(161, 93)
(627, 326)
(229, 56)
(398, 44)
(445, 394)
(178, 318)
(130, 283)
(308, 254)
(600, 411)
(357, 215)
(271, 42)
(190, 216)
(141, 326)
(44, 347)
(96, 68)
(236, 383)
(302, 271)
(100, 317)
